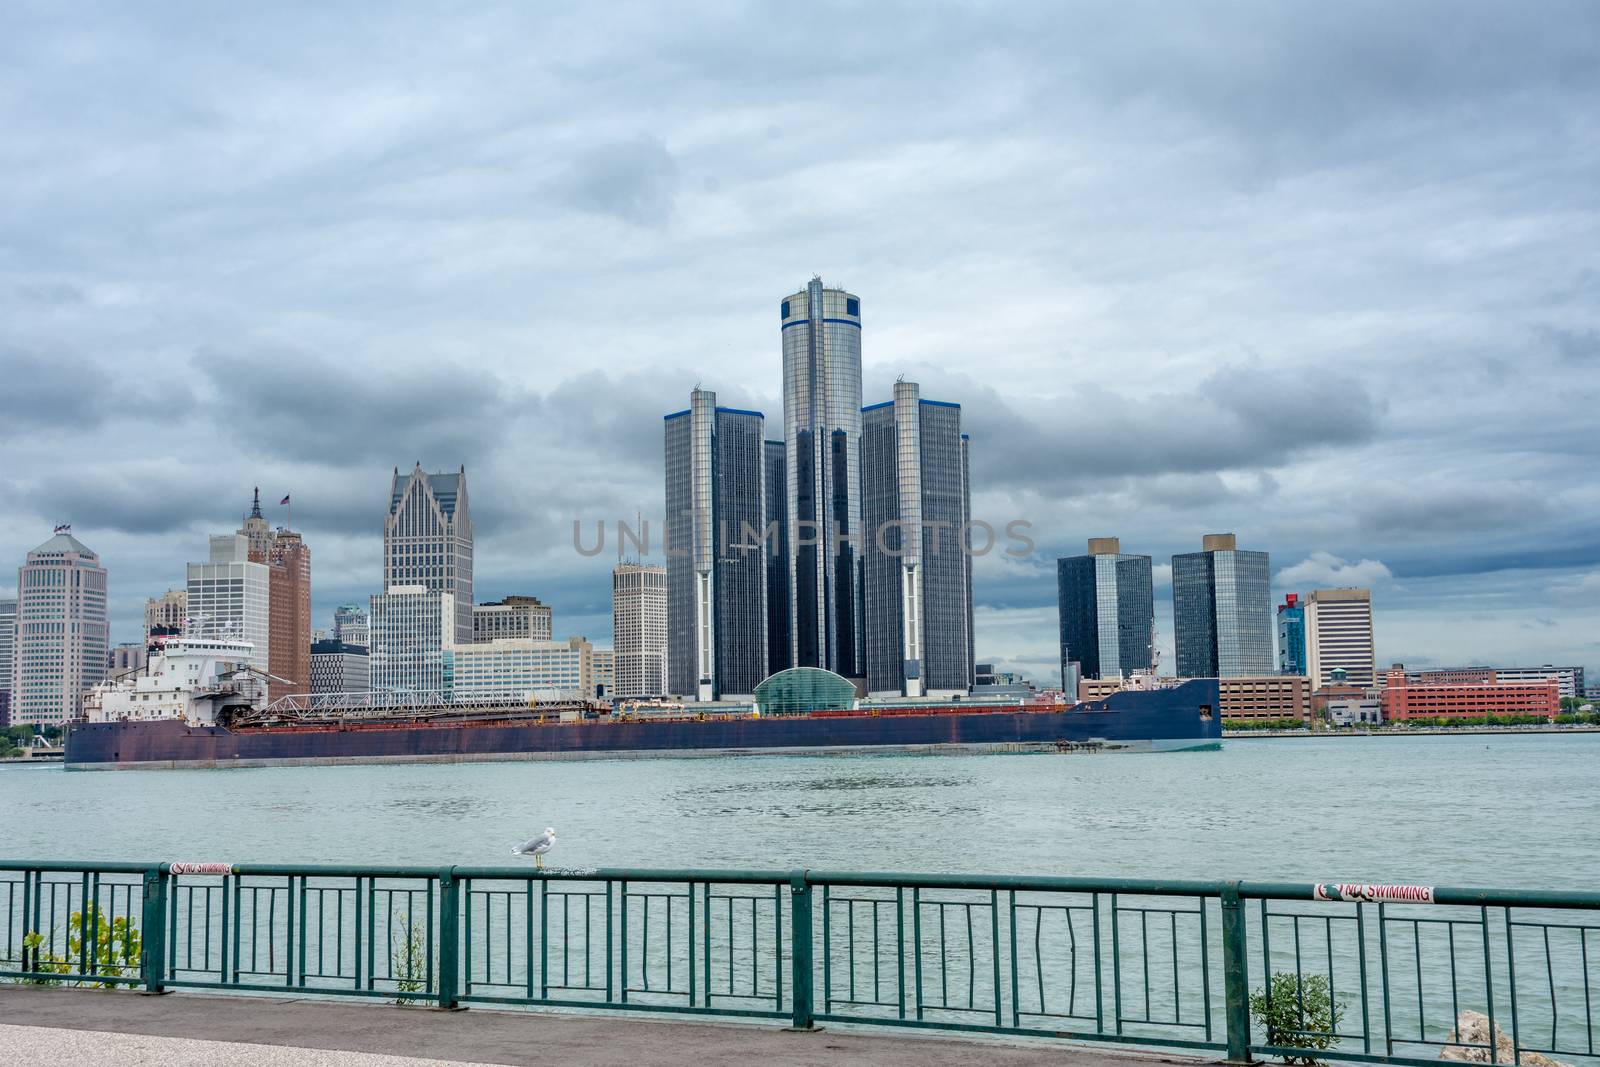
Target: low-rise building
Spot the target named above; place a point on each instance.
(522, 669)
(339, 667)
(1405, 699)
(1252, 697)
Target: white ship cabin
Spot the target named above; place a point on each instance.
(189, 678)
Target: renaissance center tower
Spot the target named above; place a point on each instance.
(822, 442)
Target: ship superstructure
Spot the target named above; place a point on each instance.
(198, 680)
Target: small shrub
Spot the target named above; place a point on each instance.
(407, 960)
(1298, 1013)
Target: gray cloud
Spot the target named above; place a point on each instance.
(1323, 277)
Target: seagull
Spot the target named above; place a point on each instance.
(538, 846)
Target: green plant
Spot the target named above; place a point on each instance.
(115, 947)
(1298, 1013)
(407, 960)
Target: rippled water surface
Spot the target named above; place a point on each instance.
(1501, 810)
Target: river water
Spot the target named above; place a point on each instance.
(1502, 810)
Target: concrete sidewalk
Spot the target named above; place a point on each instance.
(92, 1026)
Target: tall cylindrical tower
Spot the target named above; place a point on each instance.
(822, 437)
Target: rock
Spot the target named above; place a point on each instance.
(1473, 1028)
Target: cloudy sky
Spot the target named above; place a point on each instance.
(1324, 275)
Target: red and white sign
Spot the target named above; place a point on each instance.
(1359, 892)
(200, 868)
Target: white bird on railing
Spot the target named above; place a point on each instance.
(538, 846)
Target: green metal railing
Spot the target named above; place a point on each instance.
(1172, 964)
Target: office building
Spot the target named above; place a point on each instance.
(639, 630)
(522, 670)
(1291, 635)
(427, 541)
(605, 673)
(229, 596)
(779, 606)
(1106, 600)
(337, 667)
(1222, 611)
(1339, 635)
(8, 646)
(915, 564)
(257, 530)
(126, 658)
(1405, 699)
(62, 634)
(412, 628)
(716, 559)
(166, 614)
(821, 331)
(1267, 696)
(288, 563)
(1569, 680)
(350, 625)
(515, 616)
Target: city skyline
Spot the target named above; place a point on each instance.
(1363, 337)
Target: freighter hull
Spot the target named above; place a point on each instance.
(1180, 718)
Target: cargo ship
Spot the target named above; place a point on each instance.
(219, 728)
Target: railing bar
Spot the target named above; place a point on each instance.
(706, 934)
(1383, 955)
(1588, 1006)
(1099, 968)
(1550, 976)
(994, 950)
(944, 962)
(428, 923)
(1011, 925)
(900, 945)
(1205, 968)
(1144, 960)
(777, 944)
(1511, 974)
(622, 895)
(1299, 971)
(609, 935)
(1177, 992)
(1116, 964)
(827, 951)
(1333, 996)
(916, 943)
(689, 894)
(1361, 962)
(464, 889)
(1455, 1004)
(1072, 960)
(877, 953)
(1416, 952)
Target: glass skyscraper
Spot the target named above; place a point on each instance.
(779, 649)
(1291, 635)
(427, 540)
(821, 331)
(1222, 611)
(917, 580)
(1107, 605)
(716, 558)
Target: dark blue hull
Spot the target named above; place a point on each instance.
(1184, 717)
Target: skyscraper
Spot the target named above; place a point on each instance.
(350, 625)
(779, 607)
(1222, 611)
(62, 636)
(639, 630)
(514, 616)
(821, 330)
(166, 613)
(427, 540)
(915, 505)
(8, 646)
(288, 563)
(716, 558)
(412, 628)
(1339, 636)
(1107, 605)
(257, 530)
(230, 596)
(1291, 635)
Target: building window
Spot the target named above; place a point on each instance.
(785, 313)
(852, 306)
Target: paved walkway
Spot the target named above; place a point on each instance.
(50, 1027)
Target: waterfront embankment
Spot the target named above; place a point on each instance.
(73, 1027)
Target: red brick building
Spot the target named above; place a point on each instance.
(1408, 699)
(289, 614)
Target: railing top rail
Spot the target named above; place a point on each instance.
(1291, 891)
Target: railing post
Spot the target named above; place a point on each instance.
(1236, 976)
(153, 937)
(800, 949)
(449, 938)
